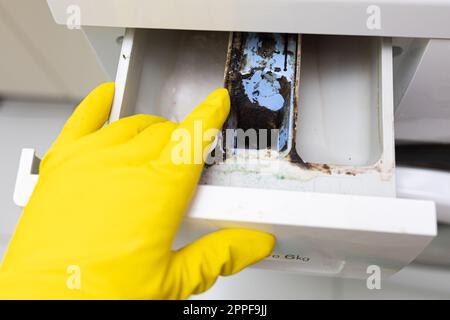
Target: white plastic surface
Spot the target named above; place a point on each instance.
(325, 234)
(426, 184)
(26, 177)
(407, 18)
(338, 117)
(423, 114)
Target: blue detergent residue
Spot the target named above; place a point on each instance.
(263, 87)
(264, 91)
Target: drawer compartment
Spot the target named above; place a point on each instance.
(344, 124)
(336, 212)
(331, 201)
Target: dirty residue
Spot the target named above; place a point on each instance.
(260, 77)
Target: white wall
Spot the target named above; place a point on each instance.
(39, 58)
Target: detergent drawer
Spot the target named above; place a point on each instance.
(331, 200)
(336, 214)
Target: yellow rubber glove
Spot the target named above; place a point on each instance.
(107, 206)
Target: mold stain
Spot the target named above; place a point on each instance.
(260, 76)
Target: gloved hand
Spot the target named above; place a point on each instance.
(105, 211)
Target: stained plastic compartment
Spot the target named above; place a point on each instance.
(169, 72)
(339, 103)
(337, 234)
(178, 70)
